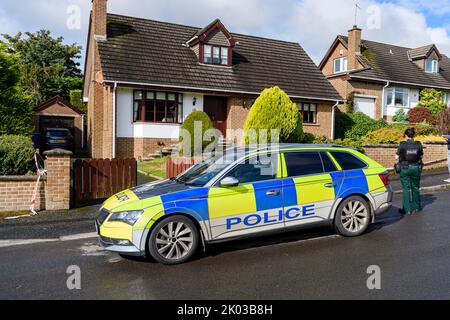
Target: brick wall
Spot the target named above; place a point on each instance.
(57, 192)
(16, 193)
(385, 154)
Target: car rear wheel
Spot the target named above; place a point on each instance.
(352, 217)
(173, 240)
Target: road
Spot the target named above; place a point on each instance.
(412, 253)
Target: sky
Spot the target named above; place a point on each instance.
(312, 23)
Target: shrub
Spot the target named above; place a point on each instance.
(76, 99)
(322, 140)
(432, 100)
(384, 136)
(430, 138)
(308, 138)
(16, 155)
(420, 114)
(443, 122)
(193, 146)
(424, 128)
(343, 123)
(400, 116)
(362, 125)
(350, 143)
(274, 110)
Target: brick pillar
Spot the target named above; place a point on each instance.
(57, 192)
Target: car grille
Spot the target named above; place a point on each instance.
(102, 215)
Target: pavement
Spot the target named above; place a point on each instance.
(411, 252)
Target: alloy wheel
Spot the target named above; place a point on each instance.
(354, 216)
(174, 240)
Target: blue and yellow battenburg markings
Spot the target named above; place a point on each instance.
(248, 205)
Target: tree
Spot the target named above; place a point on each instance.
(47, 66)
(15, 105)
(273, 110)
(76, 100)
(443, 121)
(432, 99)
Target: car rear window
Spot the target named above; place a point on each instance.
(303, 163)
(57, 133)
(348, 161)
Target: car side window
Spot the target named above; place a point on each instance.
(258, 168)
(303, 163)
(328, 164)
(348, 161)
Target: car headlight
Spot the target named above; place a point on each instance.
(129, 217)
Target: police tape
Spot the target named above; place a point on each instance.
(41, 172)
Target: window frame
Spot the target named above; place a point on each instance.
(286, 173)
(349, 153)
(309, 113)
(394, 92)
(343, 64)
(211, 54)
(142, 105)
(434, 66)
(216, 180)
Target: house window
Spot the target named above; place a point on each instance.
(397, 97)
(431, 66)
(446, 98)
(340, 65)
(215, 55)
(151, 106)
(308, 112)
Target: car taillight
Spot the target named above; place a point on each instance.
(385, 178)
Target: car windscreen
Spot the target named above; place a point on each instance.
(202, 172)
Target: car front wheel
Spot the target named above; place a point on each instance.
(174, 240)
(352, 217)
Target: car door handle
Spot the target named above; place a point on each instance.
(330, 185)
(273, 193)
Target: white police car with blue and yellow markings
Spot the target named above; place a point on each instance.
(244, 192)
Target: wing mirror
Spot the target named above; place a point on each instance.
(229, 182)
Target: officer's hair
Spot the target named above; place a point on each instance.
(410, 132)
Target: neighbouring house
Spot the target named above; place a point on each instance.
(58, 113)
(379, 79)
(143, 77)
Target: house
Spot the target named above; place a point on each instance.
(144, 77)
(381, 78)
(56, 112)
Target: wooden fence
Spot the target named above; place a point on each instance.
(102, 178)
(175, 166)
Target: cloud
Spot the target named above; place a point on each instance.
(312, 23)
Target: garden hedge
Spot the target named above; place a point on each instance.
(16, 155)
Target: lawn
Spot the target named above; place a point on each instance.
(155, 167)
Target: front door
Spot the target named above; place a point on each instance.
(216, 109)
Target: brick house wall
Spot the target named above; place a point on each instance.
(347, 87)
(138, 147)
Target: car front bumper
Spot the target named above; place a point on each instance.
(121, 246)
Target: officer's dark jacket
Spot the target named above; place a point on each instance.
(410, 152)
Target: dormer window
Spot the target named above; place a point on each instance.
(213, 44)
(431, 66)
(215, 55)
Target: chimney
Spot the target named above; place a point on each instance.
(354, 47)
(99, 10)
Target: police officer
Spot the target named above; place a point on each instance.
(410, 154)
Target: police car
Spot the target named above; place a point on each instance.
(242, 192)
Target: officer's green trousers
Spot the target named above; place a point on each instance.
(410, 179)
